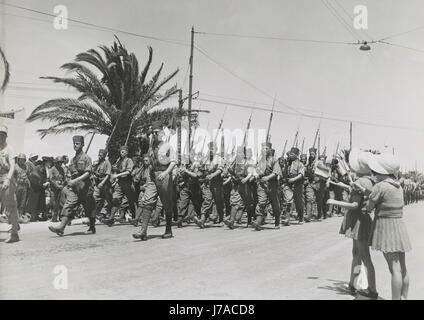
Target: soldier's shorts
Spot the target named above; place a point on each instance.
(287, 194)
(236, 200)
(82, 194)
(148, 197)
(8, 196)
(21, 197)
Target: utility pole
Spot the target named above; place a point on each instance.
(180, 112)
(89, 143)
(190, 91)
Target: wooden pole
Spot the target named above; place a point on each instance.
(190, 91)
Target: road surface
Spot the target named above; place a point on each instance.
(309, 261)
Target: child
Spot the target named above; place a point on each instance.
(389, 232)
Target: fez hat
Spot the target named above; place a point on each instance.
(102, 151)
(295, 150)
(33, 155)
(266, 144)
(312, 150)
(78, 139)
(384, 163)
(58, 159)
(304, 155)
(21, 156)
(125, 147)
(3, 129)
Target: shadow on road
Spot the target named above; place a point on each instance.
(341, 288)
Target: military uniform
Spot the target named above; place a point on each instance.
(296, 189)
(311, 189)
(267, 191)
(103, 195)
(8, 196)
(22, 187)
(80, 192)
(211, 190)
(189, 190)
(57, 183)
(123, 188)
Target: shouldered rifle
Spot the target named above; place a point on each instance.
(268, 137)
(245, 135)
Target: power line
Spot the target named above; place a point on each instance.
(402, 33)
(351, 18)
(243, 80)
(173, 41)
(234, 35)
(401, 46)
(311, 116)
(340, 20)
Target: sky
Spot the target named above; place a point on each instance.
(382, 86)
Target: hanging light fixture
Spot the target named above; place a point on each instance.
(365, 46)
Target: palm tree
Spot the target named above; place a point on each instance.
(115, 97)
(6, 71)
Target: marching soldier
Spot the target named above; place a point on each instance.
(22, 185)
(189, 189)
(226, 187)
(211, 185)
(8, 184)
(311, 188)
(163, 162)
(79, 191)
(123, 187)
(145, 179)
(296, 172)
(268, 171)
(57, 182)
(321, 189)
(101, 172)
(239, 197)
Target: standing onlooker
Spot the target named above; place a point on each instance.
(22, 185)
(389, 232)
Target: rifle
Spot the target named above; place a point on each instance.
(245, 135)
(295, 138)
(284, 149)
(222, 145)
(268, 137)
(204, 140)
(220, 124)
(316, 135)
(303, 144)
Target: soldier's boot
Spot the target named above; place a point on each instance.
(92, 225)
(12, 238)
(200, 222)
(145, 217)
(111, 219)
(230, 223)
(59, 230)
(258, 223)
(180, 221)
(168, 227)
(138, 213)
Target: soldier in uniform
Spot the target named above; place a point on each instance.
(79, 191)
(101, 172)
(57, 182)
(321, 190)
(268, 171)
(296, 172)
(189, 190)
(123, 187)
(8, 184)
(145, 179)
(239, 194)
(311, 188)
(22, 186)
(211, 185)
(163, 162)
(227, 186)
(36, 202)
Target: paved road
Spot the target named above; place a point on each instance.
(309, 261)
